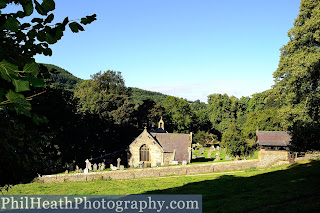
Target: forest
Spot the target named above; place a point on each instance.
(51, 119)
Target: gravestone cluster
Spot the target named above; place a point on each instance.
(89, 167)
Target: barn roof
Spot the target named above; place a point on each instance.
(273, 138)
(174, 141)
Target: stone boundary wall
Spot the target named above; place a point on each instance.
(151, 172)
(266, 159)
(271, 157)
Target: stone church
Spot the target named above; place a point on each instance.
(158, 147)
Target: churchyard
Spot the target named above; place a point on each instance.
(207, 154)
(286, 188)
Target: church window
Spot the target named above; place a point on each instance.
(144, 153)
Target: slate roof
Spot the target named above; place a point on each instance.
(159, 130)
(273, 138)
(174, 141)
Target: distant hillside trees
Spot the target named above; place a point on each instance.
(139, 95)
(61, 78)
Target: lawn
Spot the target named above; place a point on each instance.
(289, 188)
(204, 155)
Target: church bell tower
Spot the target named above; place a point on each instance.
(161, 124)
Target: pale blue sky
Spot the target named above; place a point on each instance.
(185, 48)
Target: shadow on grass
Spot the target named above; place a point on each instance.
(296, 189)
(202, 159)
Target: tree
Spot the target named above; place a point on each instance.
(204, 138)
(104, 95)
(22, 41)
(298, 75)
(264, 120)
(22, 144)
(180, 113)
(222, 111)
(233, 140)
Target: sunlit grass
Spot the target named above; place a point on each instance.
(222, 192)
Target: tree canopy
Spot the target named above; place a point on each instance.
(298, 75)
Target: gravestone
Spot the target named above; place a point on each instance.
(77, 168)
(111, 166)
(174, 162)
(237, 158)
(89, 166)
(86, 170)
(200, 151)
(217, 158)
(80, 170)
(103, 166)
(218, 153)
(66, 172)
(209, 154)
(114, 168)
(227, 157)
(99, 167)
(118, 162)
(121, 167)
(95, 167)
(218, 148)
(184, 162)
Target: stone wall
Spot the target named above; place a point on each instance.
(266, 159)
(270, 157)
(151, 172)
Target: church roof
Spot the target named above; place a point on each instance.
(159, 130)
(273, 138)
(174, 141)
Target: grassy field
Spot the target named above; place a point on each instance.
(289, 188)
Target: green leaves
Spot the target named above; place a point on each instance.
(20, 104)
(8, 70)
(3, 3)
(27, 7)
(18, 71)
(20, 85)
(48, 5)
(12, 24)
(75, 27)
(49, 19)
(32, 68)
(40, 9)
(36, 82)
(88, 19)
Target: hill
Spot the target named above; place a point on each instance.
(66, 80)
(138, 95)
(63, 78)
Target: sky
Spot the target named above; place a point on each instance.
(184, 48)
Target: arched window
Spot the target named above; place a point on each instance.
(144, 153)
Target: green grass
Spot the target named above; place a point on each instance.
(222, 155)
(288, 188)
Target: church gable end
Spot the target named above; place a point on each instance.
(144, 149)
